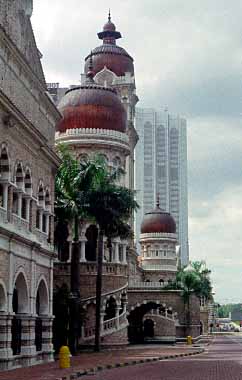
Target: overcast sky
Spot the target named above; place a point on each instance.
(188, 57)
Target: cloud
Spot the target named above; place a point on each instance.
(187, 57)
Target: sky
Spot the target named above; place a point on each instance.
(188, 58)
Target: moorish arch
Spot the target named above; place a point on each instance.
(42, 298)
(20, 294)
(139, 329)
(3, 297)
(4, 162)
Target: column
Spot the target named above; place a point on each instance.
(125, 253)
(47, 223)
(5, 337)
(5, 196)
(28, 348)
(19, 205)
(116, 251)
(40, 220)
(102, 314)
(28, 209)
(47, 345)
(117, 315)
(70, 250)
(83, 249)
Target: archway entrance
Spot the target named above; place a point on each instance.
(20, 306)
(139, 327)
(149, 328)
(41, 310)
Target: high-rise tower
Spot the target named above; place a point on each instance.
(161, 167)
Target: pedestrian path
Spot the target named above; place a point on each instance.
(222, 360)
(90, 362)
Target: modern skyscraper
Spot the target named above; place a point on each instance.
(161, 168)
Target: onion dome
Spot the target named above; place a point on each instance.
(158, 221)
(110, 55)
(92, 106)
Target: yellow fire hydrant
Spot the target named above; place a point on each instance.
(189, 339)
(65, 357)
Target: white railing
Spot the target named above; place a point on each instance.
(22, 224)
(94, 132)
(171, 268)
(147, 285)
(3, 215)
(107, 327)
(110, 324)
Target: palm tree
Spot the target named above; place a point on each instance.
(112, 206)
(88, 190)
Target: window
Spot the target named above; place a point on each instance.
(1, 195)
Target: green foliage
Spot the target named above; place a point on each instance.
(193, 279)
(224, 310)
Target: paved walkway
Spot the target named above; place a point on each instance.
(221, 361)
(86, 361)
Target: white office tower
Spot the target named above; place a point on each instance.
(161, 168)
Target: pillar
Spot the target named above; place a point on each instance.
(70, 251)
(125, 253)
(28, 348)
(5, 196)
(102, 314)
(40, 220)
(47, 346)
(28, 209)
(83, 249)
(5, 340)
(117, 315)
(116, 251)
(19, 205)
(47, 223)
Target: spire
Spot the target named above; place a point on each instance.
(158, 200)
(90, 73)
(109, 35)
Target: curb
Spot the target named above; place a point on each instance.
(94, 370)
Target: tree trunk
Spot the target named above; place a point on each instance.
(99, 290)
(75, 290)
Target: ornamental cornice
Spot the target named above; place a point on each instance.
(24, 64)
(89, 136)
(158, 236)
(35, 134)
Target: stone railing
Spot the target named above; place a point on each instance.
(147, 285)
(107, 327)
(93, 132)
(42, 237)
(20, 223)
(3, 215)
(158, 235)
(110, 324)
(156, 267)
(108, 268)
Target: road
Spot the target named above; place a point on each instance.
(222, 360)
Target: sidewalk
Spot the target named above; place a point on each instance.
(90, 362)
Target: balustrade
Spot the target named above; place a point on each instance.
(149, 285)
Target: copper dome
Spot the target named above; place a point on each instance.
(159, 221)
(109, 54)
(92, 106)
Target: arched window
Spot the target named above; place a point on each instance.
(19, 176)
(28, 182)
(3, 299)
(4, 164)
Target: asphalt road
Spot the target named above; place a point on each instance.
(222, 360)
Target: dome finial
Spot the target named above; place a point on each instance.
(109, 15)
(158, 200)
